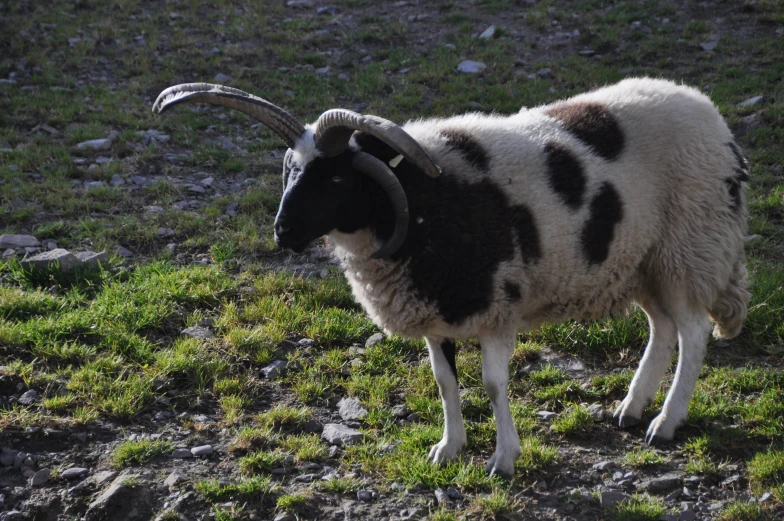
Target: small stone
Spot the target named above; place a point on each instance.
(668, 517)
(544, 72)
(664, 483)
(96, 144)
(764, 497)
(306, 342)
(323, 70)
(198, 332)
(730, 480)
(74, 472)
(28, 398)
(400, 411)
(91, 259)
(751, 101)
(10, 240)
(49, 244)
(40, 478)
(488, 33)
(153, 209)
(166, 232)
(337, 434)
(364, 495)
(94, 184)
(196, 189)
(10, 252)
(207, 181)
(352, 409)
(182, 454)
(453, 493)
(610, 498)
(117, 180)
(306, 478)
(374, 339)
(604, 465)
(412, 418)
(708, 46)
(547, 415)
(222, 78)
(202, 450)
(298, 4)
(285, 517)
(174, 479)
(442, 498)
(471, 67)
(673, 496)
(687, 515)
(597, 412)
(274, 369)
(327, 9)
(123, 252)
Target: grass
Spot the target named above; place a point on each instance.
(106, 345)
(638, 508)
(138, 452)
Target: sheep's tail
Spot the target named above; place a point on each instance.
(730, 309)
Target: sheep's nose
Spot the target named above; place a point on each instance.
(288, 230)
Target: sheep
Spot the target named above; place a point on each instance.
(482, 226)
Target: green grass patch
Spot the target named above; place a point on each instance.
(138, 452)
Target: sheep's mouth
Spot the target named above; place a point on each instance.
(292, 246)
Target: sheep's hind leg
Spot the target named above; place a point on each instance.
(693, 330)
(654, 363)
(442, 361)
(496, 352)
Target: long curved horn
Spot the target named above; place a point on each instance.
(335, 127)
(277, 119)
(375, 169)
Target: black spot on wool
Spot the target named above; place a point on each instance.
(512, 291)
(449, 349)
(593, 124)
(472, 151)
(598, 230)
(458, 234)
(566, 174)
(743, 165)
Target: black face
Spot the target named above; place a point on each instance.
(324, 195)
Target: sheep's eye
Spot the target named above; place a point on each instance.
(337, 179)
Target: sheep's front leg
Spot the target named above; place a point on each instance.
(496, 351)
(442, 361)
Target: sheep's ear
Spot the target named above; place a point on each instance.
(375, 147)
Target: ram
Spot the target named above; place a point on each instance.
(481, 226)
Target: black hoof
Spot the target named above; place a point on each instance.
(625, 421)
(656, 441)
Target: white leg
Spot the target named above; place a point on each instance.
(496, 351)
(693, 330)
(654, 363)
(442, 353)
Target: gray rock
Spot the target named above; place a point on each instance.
(546, 415)
(306, 342)
(471, 67)
(165, 232)
(374, 339)
(488, 33)
(74, 472)
(11, 514)
(285, 517)
(196, 189)
(117, 180)
(11, 240)
(202, 450)
(664, 483)
(123, 252)
(751, 101)
(453, 493)
(91, 259)
(10, 252)
(63, 259)
(153, 209)
(274, 369)
(49, 244)
(597, 412)
(400, 411)
(28, 398)
(610, 498)
(323, 70)
(351, 409)
(182, 454)
(306, 478)
(442, 498)
(198, 332)
(764, 497)
(7, 457)
(544, 72)
(364, 495)
(337, 434)
(604, 465)
(327, 9)
(708, 46)
(174, 479)
(122, 502)
(96, 144)
(687, 515)
(222, 78)
(298, 4)
(40, 478)
(668, 517)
